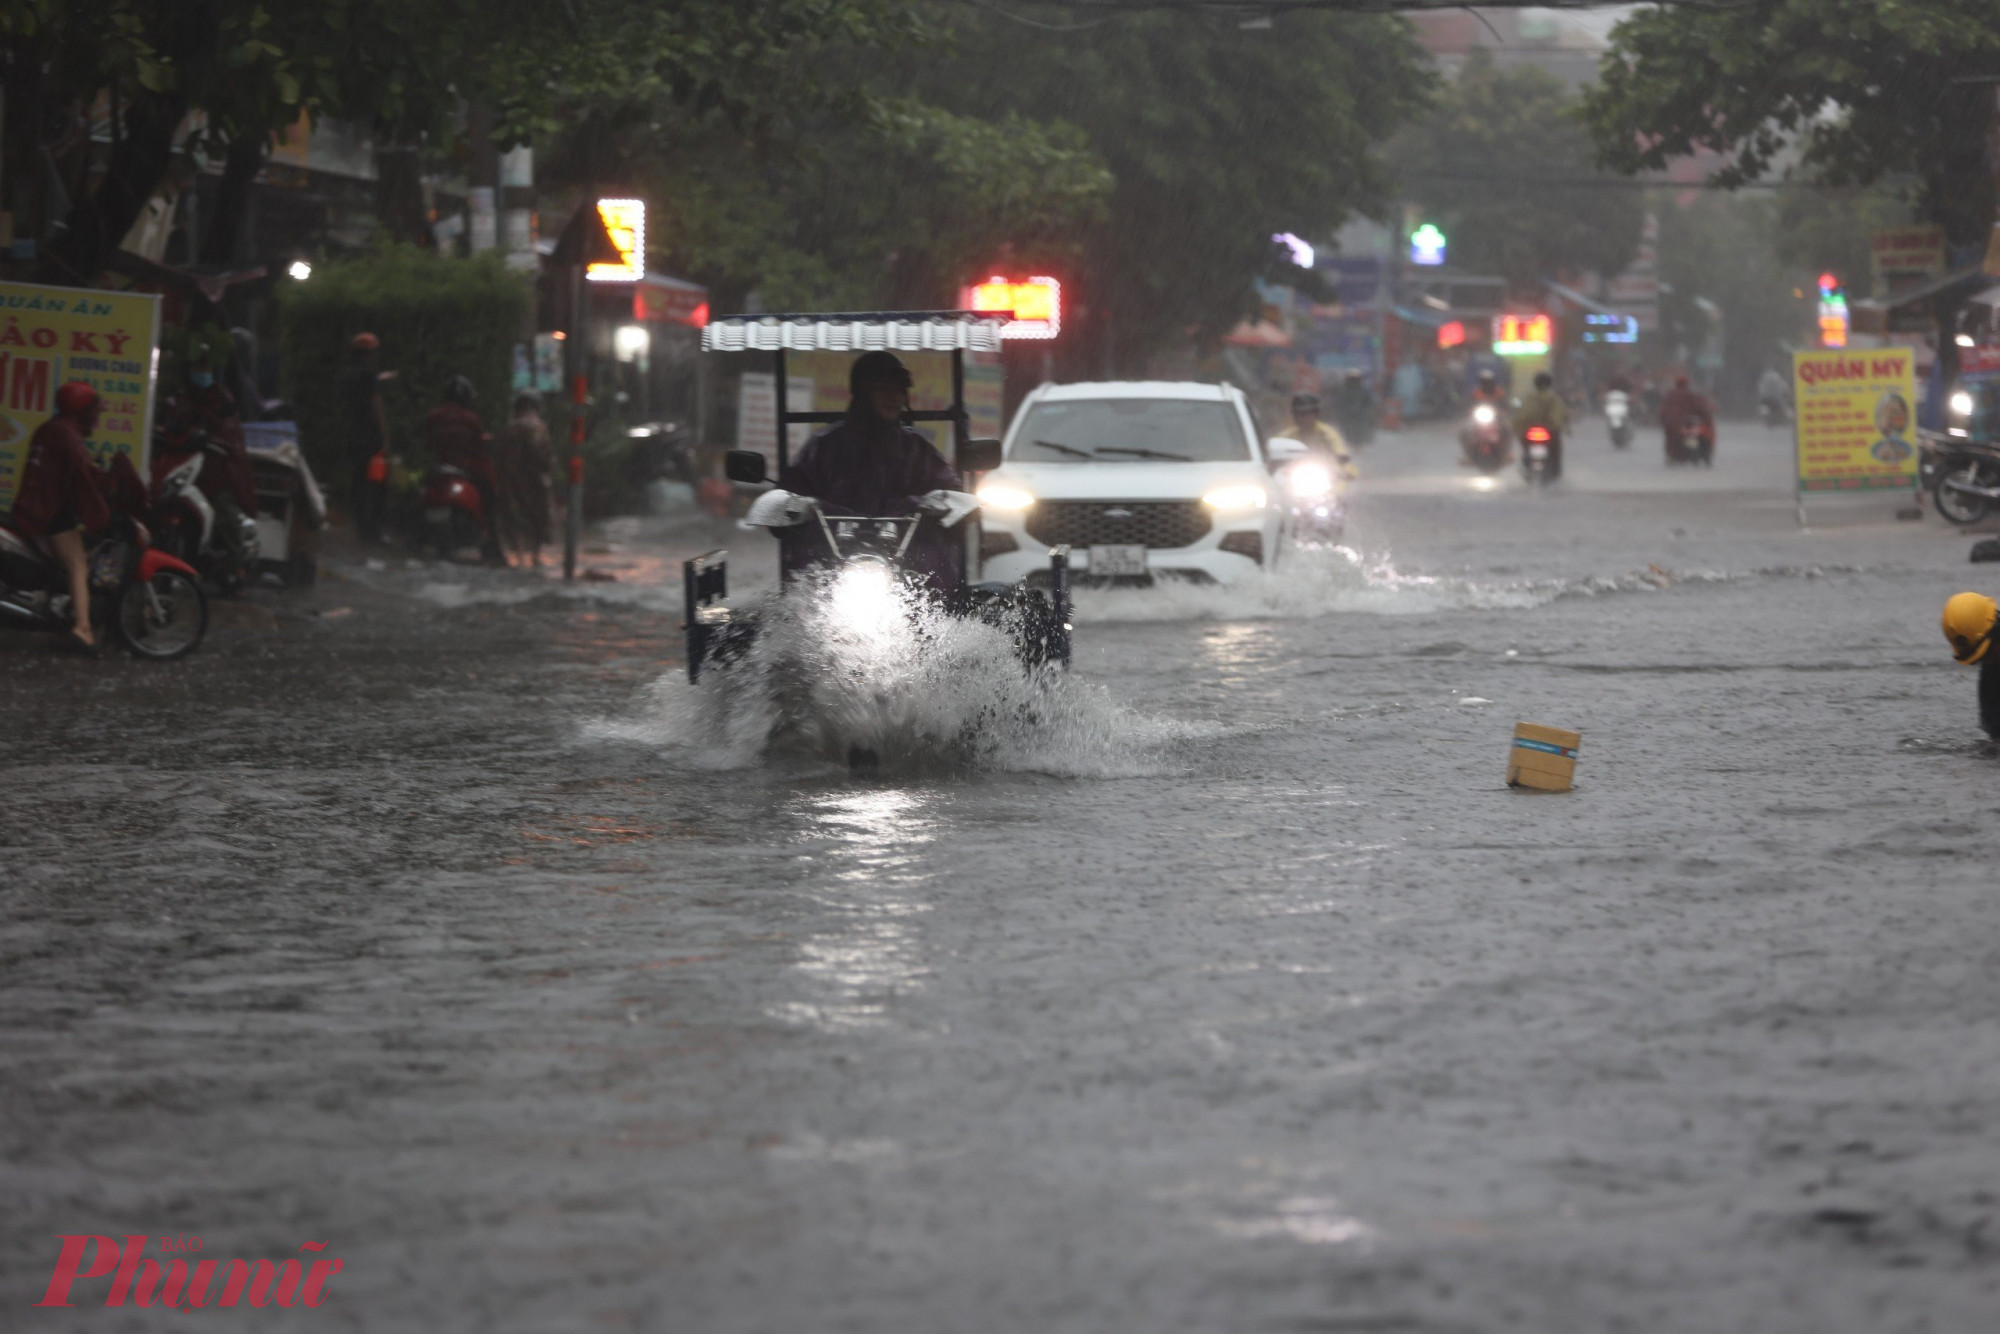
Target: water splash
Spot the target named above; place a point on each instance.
(919, 688)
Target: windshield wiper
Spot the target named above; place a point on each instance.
(1146, 453)
(1066, 449)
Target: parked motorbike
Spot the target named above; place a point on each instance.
(1541, 455)
(1316, 508)
(291, 511)
(200, 524)
(151, 600)
(454, 512)
(1484, 437)
(1618, 417)
(1963, 477)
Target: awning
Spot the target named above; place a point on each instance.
(871, 331)
(1962, 278)
(1582, 302)
(672, 300)
(1429, 319)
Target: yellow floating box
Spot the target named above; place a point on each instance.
(1543, 757)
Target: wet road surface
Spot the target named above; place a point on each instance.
(432, 914)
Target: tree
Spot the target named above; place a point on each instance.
(1502, 164)
(1215, 136)
(1844, 92)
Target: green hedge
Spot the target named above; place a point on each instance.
(436, 316)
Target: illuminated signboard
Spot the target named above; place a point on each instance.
(1832, 312)
(1035, 302)
(1522, 335)
(1427, 245)
(625, 224)
(1610, 328)
(1451, 334)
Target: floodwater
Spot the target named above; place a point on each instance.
(1220, 985)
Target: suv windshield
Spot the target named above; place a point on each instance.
(1118, 430)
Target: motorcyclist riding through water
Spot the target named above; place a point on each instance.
(871, 463)
(1544, 407)
(1969, 621)
(1318, 436)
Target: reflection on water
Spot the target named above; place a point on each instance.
(871, 893)
(1312, 1219)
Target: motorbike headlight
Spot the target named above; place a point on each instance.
(863, 597)
(1236, 498)
(1961, 404)
(1483, 415)
(1309, 481)
(999, 496)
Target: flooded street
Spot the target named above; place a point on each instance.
(434, 914)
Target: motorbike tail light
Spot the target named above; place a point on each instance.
(1539, 434)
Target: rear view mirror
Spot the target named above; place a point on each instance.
(1283, 449)
(980, 454)
(744, 465)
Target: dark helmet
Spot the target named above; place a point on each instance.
(875, 368)
(1488, 377)
(459, 390)
(1545, 381)
(75, 399)
(1305, 403)
(1680, 382)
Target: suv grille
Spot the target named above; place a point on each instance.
(1083, 523)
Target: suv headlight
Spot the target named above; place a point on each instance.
(999, 496)
(1236, 498)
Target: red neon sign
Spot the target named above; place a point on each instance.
(1035, 302)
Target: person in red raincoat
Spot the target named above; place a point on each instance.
(458, 439)
(1683, 404)
(62, 496)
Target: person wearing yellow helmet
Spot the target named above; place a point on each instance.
(1969, 621)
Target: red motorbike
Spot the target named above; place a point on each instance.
(151, 600)
(1694, 445)
(195, 515)
(454, 511)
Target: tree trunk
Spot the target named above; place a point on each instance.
(222, 240)
(399, 194)
(98, 221)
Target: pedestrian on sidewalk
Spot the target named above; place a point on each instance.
(524, 459)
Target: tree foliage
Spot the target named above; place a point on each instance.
(1504, 167)
(436, 318)
(1841, 91)
(1215, 136)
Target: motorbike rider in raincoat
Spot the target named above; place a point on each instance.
(1318, 436)
(63, 495)
(872, 463)
(1543, 406)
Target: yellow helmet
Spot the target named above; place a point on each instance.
(1968, 625)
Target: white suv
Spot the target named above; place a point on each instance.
(1140, 478)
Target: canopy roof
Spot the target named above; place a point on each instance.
(858, 331)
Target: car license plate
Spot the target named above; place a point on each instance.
(439, 514)
(1118, 560)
